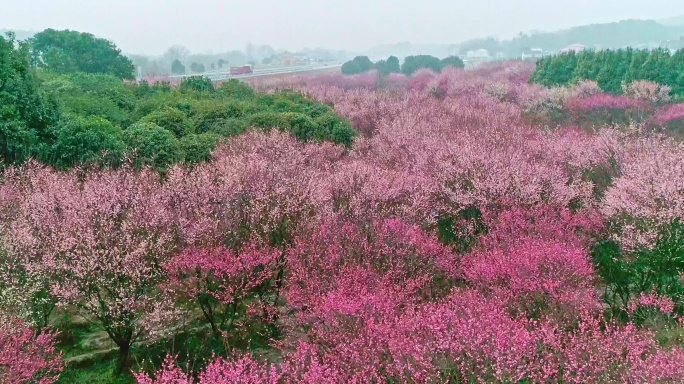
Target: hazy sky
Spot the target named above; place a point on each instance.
(151, 26)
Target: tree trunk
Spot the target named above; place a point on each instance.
(122, 367)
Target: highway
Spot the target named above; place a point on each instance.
(224, 74)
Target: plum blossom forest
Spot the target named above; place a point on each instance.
(478, 229)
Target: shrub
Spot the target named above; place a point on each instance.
(152, 145)
(236, 89)
(198, 147)
(229, 127)
(268, 120)
(196, 84)
(303, 127)
(212, 114)
(87, 140)
(170, 119)
(334, 128)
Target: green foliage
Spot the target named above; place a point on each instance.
(177, 68)
(391, 65)
(71, 51)
(660, 269)
(452, 61)
(92, 95)
(454, 231)
(161, 86)
(68, 118)
(267, 120)
(300, 125)
(26, 113)
(101, 372)
(161, 100)
(229, 127)
(601, 176)
(198, 147)
(613, 68)
(360, 64)
(86, 140)
(657, 270)
(152, 145)
(210, 114)
(414, 63)
(610, 264)
(171, 119)
(236, 89)
(196, 84)
(335, 128)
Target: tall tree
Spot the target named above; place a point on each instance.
(104, 237)
(359, 64)
(25, 113)
(70, 51)
(391, 65)
(414, 63)
(177, 68)
(453, 61)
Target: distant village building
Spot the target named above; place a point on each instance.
(533, 54)
(573, 48)
(478, 56)
(289, 59)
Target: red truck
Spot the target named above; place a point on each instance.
(244, 70)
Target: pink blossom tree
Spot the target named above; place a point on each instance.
(648, 194)
(24, 278)
(219, 281)
(349, 281)
(102, 236)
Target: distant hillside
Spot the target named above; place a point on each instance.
(610, 35)
(21, 35)
(673, 21)
(603, 36)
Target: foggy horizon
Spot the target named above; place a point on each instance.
(148, 28)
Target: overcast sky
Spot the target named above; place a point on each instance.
(151, 26)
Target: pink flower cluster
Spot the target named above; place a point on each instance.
(25, 355)
(604, 101)
(661, 303)
(648, 91)
(669, 114)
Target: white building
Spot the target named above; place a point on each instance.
(533, 54)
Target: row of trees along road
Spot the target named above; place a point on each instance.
(362, 64)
